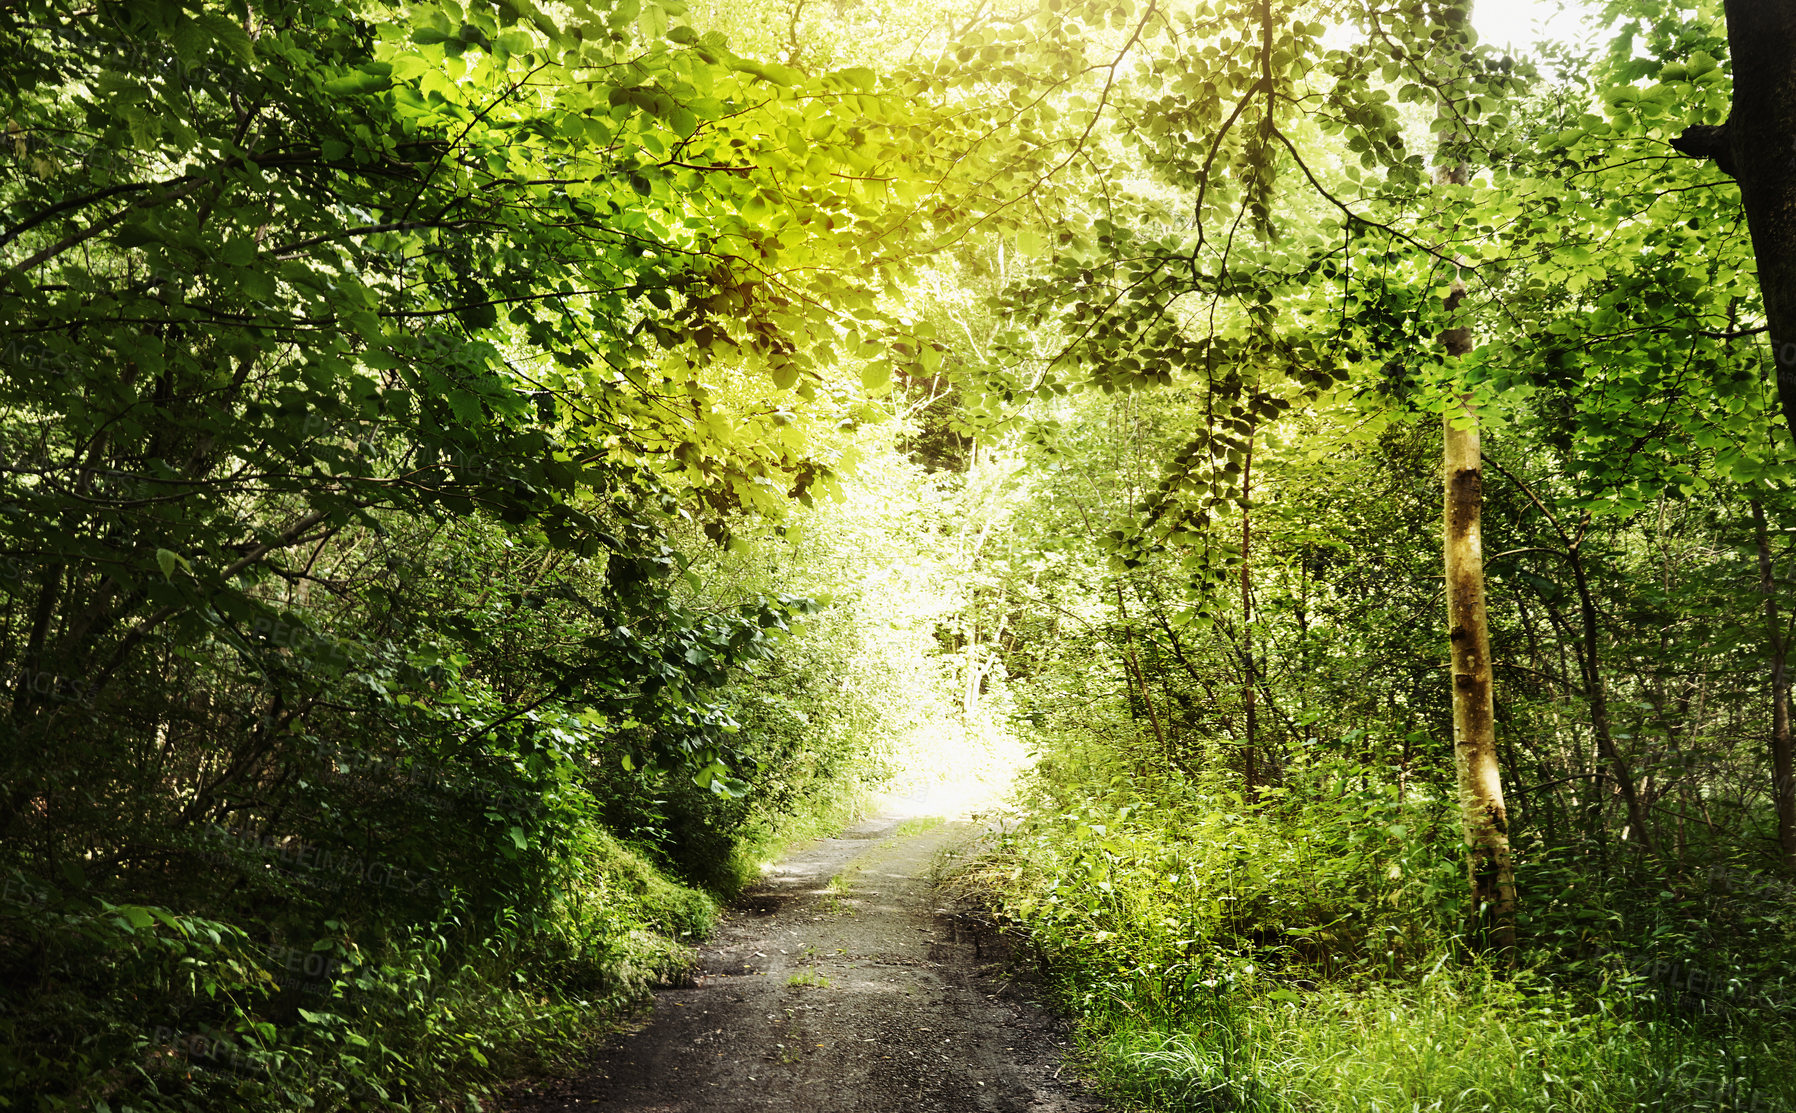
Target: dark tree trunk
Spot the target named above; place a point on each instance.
(1783, 769)
(1133, 660)
(1639, 830)
(1757, 146)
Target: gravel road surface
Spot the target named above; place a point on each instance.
(862, 996)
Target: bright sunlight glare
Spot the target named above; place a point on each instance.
(1520, 24)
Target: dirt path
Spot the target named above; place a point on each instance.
(865, 996)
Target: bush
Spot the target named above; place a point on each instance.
(1302, 952)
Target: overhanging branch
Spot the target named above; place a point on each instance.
(1710, 142)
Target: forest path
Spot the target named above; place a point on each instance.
(866, 997)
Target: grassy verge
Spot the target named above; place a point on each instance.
(146, 1009)
(1302, 956)
(1462, 1040)
(140, 1008)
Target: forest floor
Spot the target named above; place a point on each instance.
(846, 982)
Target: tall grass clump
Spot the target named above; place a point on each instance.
(1303, 950)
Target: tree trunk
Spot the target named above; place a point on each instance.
(969, 703)
(1247, 692)
(969, 696)
(1638, 829)
(1757, 146)
(1134, 662)
(1783, 776)
(1481, 806)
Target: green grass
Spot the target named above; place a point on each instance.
(808, 978)
(917, 826)
(1304, 959)
(1463, 1041)
(842, 884)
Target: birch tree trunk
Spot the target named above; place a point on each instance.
(1482, 811)
(1247, 668)
(1481, 806)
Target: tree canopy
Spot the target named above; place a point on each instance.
(478, 475)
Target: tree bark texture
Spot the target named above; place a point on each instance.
(1247, 668)
(1757, 146)
(1482, 810)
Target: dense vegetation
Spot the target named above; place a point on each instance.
(479, 477)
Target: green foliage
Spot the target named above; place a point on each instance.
(1301, 954)
(381, 387)
(416, 607)
(1198, 922)
(1463, 1041)
(168, 1011)
(1144, 885)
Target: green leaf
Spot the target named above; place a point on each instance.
(466, 406)
(653, 21)
(859, 77)
(757, 208)
(360, 82)
(168, 560)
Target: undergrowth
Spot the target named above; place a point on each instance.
(1303, 951)
(1462, 1039)
(142, 1008)
(205, 1015)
